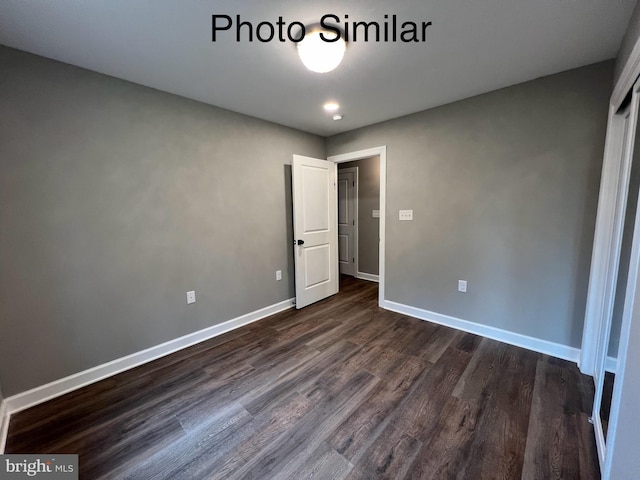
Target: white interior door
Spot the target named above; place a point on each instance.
(347, 220)
(315, 229)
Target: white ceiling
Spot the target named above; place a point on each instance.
(473, 46)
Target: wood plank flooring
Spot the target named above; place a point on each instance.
(338, 390)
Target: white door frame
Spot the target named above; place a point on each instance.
(356, 219)
(607, 241)
(614, 186)
(608, 225)
(380, 152)
(623, 135)
(629, 316)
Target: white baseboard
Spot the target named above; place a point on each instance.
(611, 364)
(4, 424)
(41, 394)
(37, 395)
(530, 343)
(368, 276)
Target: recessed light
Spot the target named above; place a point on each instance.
(331, 106)
(337, 116)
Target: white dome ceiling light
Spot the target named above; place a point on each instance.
(320, 55)
(331, 106)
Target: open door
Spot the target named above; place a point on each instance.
(347, 215)
(315, 229)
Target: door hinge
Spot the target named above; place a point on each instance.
(353, 259)
(354, 183)
(354, 222)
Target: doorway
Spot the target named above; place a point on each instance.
(377, 156)
(348, 221)
(359, 236)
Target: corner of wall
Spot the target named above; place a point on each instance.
(49, 391)
(539, 345)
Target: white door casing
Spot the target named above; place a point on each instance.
(381, 153)
(315, 229)
(347, 221)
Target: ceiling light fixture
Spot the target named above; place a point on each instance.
(320, 55)
(331, 106)
(337, 116)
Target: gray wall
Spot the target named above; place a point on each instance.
(115, 200)
(368, 200)
(628, 42)
(504, 188)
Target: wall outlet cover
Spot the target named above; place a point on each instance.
(462, 286)
(406, 215)
(191, 297)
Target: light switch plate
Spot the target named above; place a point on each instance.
(462, 286)
(278, 275)
(375, 213)
(191, 297)
(406, 215)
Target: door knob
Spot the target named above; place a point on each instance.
(300, 242)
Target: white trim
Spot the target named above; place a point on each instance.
(530, 343)
(600, 277)
(606, 255)
(368, 276)
(380, 152)
(40, 394)
(630, 314)
(603, 277)
(606, 244)
(4, 424)
(600, 440)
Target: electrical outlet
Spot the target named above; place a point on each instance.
(375, 213)
(278, 275)
(406, 215)
(462, 286)
(191, 297)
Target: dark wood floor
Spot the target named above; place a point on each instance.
(341, 389)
